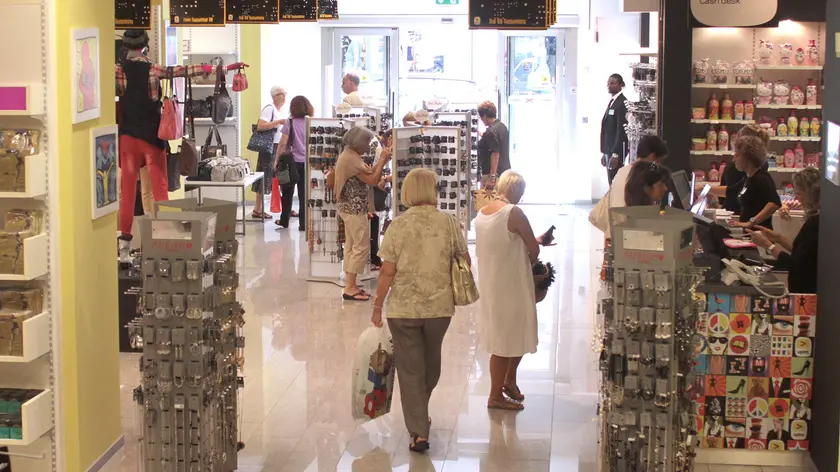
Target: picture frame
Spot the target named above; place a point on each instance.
(105, 151)
(85, 86)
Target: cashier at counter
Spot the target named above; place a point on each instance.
(755, 194)
(797, 257)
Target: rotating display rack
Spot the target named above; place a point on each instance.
(324, 229)
(641, 115)
(190, 332)
(468, 124)
(647, 416)
(437, 148)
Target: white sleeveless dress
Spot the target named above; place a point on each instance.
(508, 322)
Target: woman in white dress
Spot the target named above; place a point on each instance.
(506, 250)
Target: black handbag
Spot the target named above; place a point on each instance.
(173, 171)
(221, 105)
(262, 141)
(286, 172)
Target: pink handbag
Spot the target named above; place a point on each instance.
(171, 126)
(240, 82)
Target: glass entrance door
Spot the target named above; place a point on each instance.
(531, 106)
(372, 55)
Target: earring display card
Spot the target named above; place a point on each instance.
(324, 229)
(755, 372)
(437, 148)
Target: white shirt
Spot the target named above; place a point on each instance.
(612, 100)
(266, 115)
(618, 186)
(354, 100)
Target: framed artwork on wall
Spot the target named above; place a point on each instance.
(104, 153)
(85, 86)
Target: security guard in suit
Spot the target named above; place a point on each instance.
(614, 145)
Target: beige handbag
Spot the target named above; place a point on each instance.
(600, 215)
(482, 198)
(463, 283)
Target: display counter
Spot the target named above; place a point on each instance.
(754, 361)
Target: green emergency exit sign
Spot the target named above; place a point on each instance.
(447, 2)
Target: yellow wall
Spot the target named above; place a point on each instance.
(90, 398)
(250, 101)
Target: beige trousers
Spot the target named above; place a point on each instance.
(356, 242)
(417, 346)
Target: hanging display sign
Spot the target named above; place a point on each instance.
(299, 10)
(252, 11)
(133, 14)
(197, 12)
(734, 13)
(327, 9)
(503, 14)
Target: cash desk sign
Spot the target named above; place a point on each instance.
(734, 13)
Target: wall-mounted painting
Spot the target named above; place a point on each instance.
(85, 87)
(105, 152)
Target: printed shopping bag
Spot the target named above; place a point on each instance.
(276, 207)
(373, 374)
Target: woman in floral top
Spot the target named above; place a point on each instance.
(352, 181)
(416, 257)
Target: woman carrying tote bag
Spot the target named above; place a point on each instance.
(270, 121)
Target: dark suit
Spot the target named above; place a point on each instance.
(613, 135)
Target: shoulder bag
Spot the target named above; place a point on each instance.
(171, 126)
(188, 158)
(600, 215)
(286, 171)
(262, 141)
(216, 150)
(221, 103)
(464, 289)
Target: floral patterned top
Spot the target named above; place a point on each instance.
(354, 197)
(421, 244)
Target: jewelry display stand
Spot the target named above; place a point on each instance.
(641, 115)
(647, 417)
(190, 332)
(468, 123)
(324, 229)
(437, 148)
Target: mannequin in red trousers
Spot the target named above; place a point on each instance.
(138, 86)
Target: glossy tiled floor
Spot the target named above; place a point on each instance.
(300, 338)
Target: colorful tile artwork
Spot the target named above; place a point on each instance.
(754, 362)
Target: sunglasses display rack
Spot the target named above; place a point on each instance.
(647, 416)
(437, 148)
(468, 123)
(324, 229)
(190, 330)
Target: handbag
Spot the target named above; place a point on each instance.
(600, 215)
(240, 82)
(286, 171)
(173, 174)
(482, 198)
(216, 150)
(276, 205)
(171, 127)
(262, 141)
(464, 290)
(221, 103)
(188, 154)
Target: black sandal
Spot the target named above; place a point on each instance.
(356, 297)
(417, 445)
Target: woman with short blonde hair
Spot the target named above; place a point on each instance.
(416, 257)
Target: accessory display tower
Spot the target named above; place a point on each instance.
(647, 418)
(190, 332)
(437, 148)
(324, 228)
(641, 115)
(468, 122)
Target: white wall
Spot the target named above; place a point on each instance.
(291, 58)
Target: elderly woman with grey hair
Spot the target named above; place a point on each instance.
(352, 181)
(270, 118)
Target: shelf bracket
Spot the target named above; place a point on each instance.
(24, 456)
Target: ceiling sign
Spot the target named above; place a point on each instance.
(197, 12)
(510, 14)
(327, 9)
(252, 11)
(733, 13)
(132, 14)
(299, 10)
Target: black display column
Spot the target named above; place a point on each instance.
(826, 406)
(674, 105)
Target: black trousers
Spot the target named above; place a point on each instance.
(374, 240)
(611, 172)
(287, 193)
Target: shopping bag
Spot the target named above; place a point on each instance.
(276, 207)
(599, 217)
(373, 374)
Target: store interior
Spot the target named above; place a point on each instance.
(648, 359)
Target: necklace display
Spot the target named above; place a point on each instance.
(190, 331)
